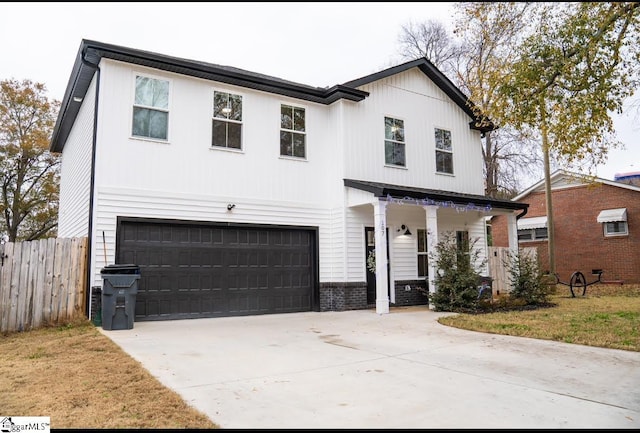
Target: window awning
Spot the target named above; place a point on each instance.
(611, 215)
(532, 223)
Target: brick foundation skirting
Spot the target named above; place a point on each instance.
(353, 296)
(343, 296)
(411, 292)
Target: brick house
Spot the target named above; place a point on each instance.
(596, 227)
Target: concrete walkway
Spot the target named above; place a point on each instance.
(358, 369)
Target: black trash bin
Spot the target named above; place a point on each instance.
(119, 289)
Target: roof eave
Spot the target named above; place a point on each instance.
(383, 190)
(91, 52)
(440, 79)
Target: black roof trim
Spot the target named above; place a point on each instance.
(91, 52)
(402, 192)
(441, 80)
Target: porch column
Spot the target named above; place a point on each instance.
(512, 233)
(380, 231)
(432, 242)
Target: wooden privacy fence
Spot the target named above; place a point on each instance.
(498, 259)
(42, 282)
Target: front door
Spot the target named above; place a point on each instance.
(370, 248)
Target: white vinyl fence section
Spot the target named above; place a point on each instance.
(42, 282)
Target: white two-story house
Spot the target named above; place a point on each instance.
(238, 193)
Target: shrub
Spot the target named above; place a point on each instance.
(529, 285)
(456, 278)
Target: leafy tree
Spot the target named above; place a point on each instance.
(486, 36)
(553, 72)
(577, 68)
(457, 277)
(29, 175)
(490, 33)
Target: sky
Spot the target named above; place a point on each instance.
(315, 43)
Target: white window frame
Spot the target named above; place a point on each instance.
(620, 224)
(227, 120)
(395, 142)
(441, 150)
(165, 110)
(293, 132)
(533, 233)
(612, 219)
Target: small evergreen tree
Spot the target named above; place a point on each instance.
(527, 280)
(456, 278)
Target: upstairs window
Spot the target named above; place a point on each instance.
(227, 120)
(394, 152)
(151, 108)
(292, 131)
(444, 151)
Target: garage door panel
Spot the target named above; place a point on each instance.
(191, 270)
(156, 308)
(128, 257)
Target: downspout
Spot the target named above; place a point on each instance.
(523, 213)
(87, 306)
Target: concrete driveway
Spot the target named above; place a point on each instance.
(358, 369)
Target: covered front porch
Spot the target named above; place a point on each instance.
(402, 225)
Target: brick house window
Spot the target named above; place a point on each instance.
(532, 229)
(614, 222)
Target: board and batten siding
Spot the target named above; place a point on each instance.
(188, 163)
(115, 202)
(73, 217)
(412, 97)
(186, 179)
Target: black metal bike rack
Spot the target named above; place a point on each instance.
(578, 280)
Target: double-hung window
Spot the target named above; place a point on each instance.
(444, 151)
(151, 108)
(292, 131)
(227, 120)
(394, 151)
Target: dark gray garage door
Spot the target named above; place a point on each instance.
(194, 270)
